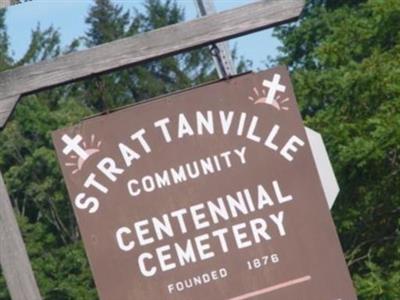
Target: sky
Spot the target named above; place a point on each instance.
(68, 16)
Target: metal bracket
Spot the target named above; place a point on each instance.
(220, 51)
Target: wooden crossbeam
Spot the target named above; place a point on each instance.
(4, 3)
(142, 47)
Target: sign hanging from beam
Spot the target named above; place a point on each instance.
(143, 47)
(210, 193)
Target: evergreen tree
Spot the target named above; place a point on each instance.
(107, 22)
(45, 44)
(344, 56)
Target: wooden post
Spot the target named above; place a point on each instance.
(13, 256)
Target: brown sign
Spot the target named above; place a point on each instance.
(211, 193)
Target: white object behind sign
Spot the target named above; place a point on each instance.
(324, 166)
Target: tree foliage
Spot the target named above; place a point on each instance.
(344, 56)
(107, 22)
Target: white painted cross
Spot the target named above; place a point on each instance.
(73, 146)
(274, 86)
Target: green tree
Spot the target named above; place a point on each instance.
(344, 59)
(107, 22)
(45, 44)
(39, 198)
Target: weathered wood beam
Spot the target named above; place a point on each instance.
(4, 3)
(13, 257)
(143, 47)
